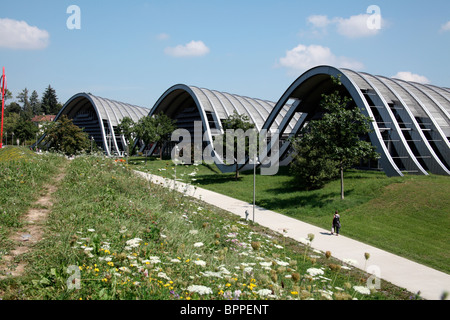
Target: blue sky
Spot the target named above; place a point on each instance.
(133, 51)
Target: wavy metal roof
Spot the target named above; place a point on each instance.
(411, 128)
(220, 104)
(100, 117)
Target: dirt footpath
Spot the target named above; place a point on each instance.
(32, 232)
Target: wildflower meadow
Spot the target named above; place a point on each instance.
(114, 236)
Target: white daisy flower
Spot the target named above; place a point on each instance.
(200, 289)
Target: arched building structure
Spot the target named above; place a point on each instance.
(99, 118)
(411, 127)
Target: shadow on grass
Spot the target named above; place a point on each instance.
(295, 202)
(140, 160)
(219, 178)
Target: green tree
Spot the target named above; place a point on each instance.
(35, 103)
(235, 139)
(23, 98)
(11, 121)
(25, 130)
(156, 129)
(8, 95)
(12, 108)
(49, 102)
(338, 134)
(64, 136)
(127, 128)
(310, 168)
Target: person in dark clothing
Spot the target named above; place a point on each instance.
(336, 223)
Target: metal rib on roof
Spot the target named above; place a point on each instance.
(224, 104)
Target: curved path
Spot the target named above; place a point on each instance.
(399, 271)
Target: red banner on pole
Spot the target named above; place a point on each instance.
(3, 85)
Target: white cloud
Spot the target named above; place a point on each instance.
(357, 26)
(163, 36)
(319, 25)
(302, 58)
(446, 26)
(192, 49)
(318, 21)
(19, 35)
(363, 25)
(409, 76)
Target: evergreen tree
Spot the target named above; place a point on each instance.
(24, 99)
(50, 103)
(35, 103)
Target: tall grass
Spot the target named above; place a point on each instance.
(111, 235)
(22, 177)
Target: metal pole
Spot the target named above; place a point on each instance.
(254, 185)
(3, 84)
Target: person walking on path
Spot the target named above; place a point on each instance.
(336, 223)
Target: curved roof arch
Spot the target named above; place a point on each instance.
(410, 120)
(213, 107)
(100, 117)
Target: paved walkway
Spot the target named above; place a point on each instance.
(399, 271)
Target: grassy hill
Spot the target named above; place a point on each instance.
(408, 216)
(111, 235)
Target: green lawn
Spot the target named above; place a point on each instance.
(408, 216)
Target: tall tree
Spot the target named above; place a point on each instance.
(35, 103)
(338, 134)
(50, 103)
(64, 136)
(24, 99)
(156, 129)
(235, 139)
(127, 128)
